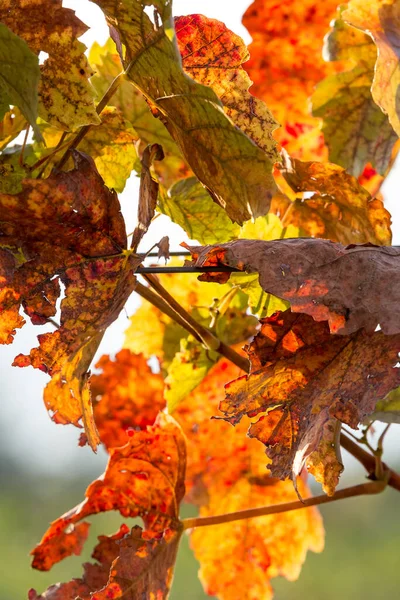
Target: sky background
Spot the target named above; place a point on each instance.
(29, 436)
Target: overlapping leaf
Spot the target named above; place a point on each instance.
(66, 97)
(69, 228)
(301, 377)
(19, 76)
(351, 287)
(237, 172)
(143, 478)
(285, 64)
(356, 131)
(341, 210)
(127, 396)
(11, 125)
(258, 549)
(213, 55)
(381, 20)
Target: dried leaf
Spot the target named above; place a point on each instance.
(381, 20)
(143, 478)
(285, 64)
(66, 96)
(356, 131)
(237, 172)
(301, 376)
(68, 227)
(259, 549)
(342, 210)
(213, 55)
(19, 76)
(127, 396)
(351, 287)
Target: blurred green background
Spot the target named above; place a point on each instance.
(361, 560)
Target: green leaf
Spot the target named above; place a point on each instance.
(388, 409)
(225, 160)
(188, 204)
(356, 130)
(19, 76)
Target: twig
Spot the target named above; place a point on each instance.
(368, 461)
(162, 305)
(99, 108)
(374, 487)
(207, 337)
(21, 156)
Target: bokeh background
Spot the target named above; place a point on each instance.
(43, 473)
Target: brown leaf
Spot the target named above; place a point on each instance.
(143, 478)
(341, 210)
(148, 193)
(301, 377)
(127, 396)
(351, 287)
(68, 228)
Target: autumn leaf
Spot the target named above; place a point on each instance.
(351, 287)
(286, 63)
(65, 95)
(66, 228)
(11, 125)
(356, 131)
(388, 409)
(127, 396)
(68, 542)
(143, 478)
(381, 20)
(188, 204)
(258, 549)
(106, 62)
(237, 172)
(213, 56)
(19, 76)
(301, 377)
(341, 209)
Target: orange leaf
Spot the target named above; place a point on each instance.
(351, 287)
(301, 377)
(128, 396)
(143, 478)
(226, 472)
(68, 228)
(285, 64)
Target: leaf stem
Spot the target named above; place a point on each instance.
(114, 85)
(368, 461)
(373, 487)
(162, 305)
(209, 340)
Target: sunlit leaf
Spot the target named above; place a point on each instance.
(65, 95)
(356, 131)
(388, 409)
(237, 172)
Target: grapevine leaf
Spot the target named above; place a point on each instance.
(128, 396)
(65, 95)
(143, 478)
(11, 125)
(388, 409)
(19, 76)
(237, 172)
(69, 228)
(213, 55)
(284, 75)
(69, 542)
(258, 549)
(356, 131)
(342, 210)
(188, 204)
(325, 463)
(301, 377)
(351, 287)
(381, 20)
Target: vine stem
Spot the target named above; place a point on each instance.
(207, 338)
(99, 108)
(369, 461)
(373, 487)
